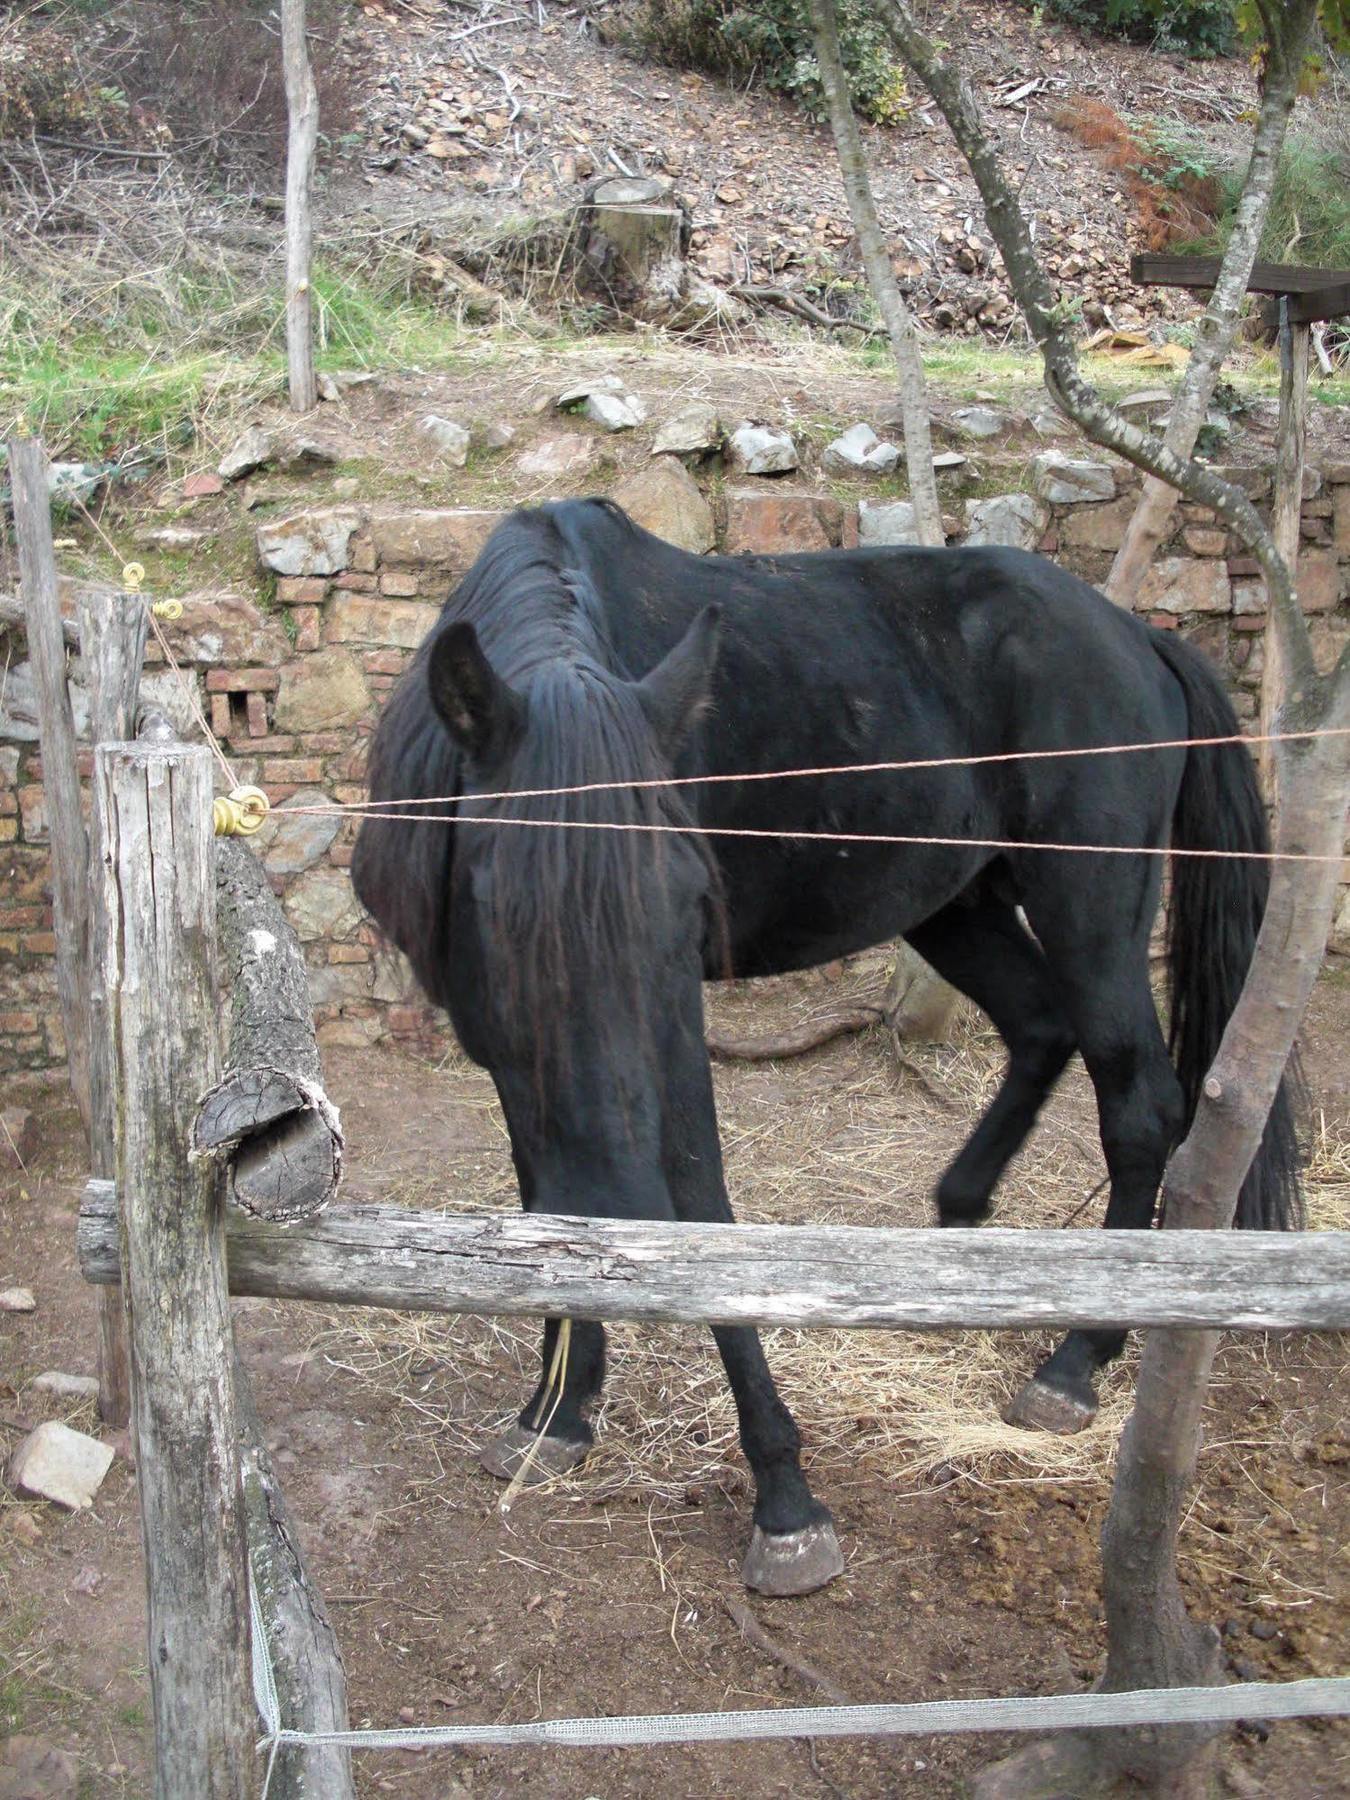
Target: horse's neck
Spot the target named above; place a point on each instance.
(547, 626)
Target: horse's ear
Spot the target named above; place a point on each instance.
(475, 705)
(677, 690)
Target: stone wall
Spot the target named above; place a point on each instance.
(292, 688)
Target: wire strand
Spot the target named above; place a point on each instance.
(848, 837)
(190, 692)
(873, 768)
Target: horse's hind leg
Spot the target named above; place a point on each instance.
(552, 1433)
(1095, 929)
(984, 950)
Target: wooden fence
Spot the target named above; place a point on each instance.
(163, 1230)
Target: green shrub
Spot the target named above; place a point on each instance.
(1309, 221)
(1182, 155)
(770, 42)
(1189, 27)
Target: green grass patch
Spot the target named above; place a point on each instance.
(1309, 217)
(959, 368)
(129, 368)
(26, 1688)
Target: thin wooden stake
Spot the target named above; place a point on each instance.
(157, 876)
(302, 106)
(112, 647)
(60, 776)
(1285, 514)
(306, 1663)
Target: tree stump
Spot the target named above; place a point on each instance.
(635, 235)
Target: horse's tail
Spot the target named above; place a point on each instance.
(1217, 907)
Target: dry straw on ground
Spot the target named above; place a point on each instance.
(846, 1136)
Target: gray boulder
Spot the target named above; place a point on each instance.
(1016, 520)
(447, 437)
(695, 430)
(887, 522)
(251, 451)
(762, 450)
(979, 422)
(56, 1463)
(1066, 480)
(308, 543)
(860, 451)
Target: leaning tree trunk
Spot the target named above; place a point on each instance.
(1158, 1452)
(918, 1002)
(1285, 515)
(1152, 1641)
(1213, 341)
(302, 106)
(881, 280)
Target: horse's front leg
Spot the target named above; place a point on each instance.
(552, 1433)
(793, 1548)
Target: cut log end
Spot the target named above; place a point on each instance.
(284, 1138)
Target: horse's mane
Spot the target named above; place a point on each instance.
(561, 899)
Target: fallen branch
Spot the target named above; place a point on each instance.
(797, 1039)
(12, 614)
(794, 303)
(813, 1034)
(755, 1634)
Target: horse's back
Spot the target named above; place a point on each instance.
(976, 648)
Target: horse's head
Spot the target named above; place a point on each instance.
(577, 934)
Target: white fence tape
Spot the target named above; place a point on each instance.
(1148, 1706)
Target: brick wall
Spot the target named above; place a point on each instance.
(292, 691)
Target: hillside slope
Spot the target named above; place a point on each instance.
(499, 119)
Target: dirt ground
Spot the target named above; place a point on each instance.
(972, 1549)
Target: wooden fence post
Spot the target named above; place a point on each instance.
(113, 630)
(157, 878)
(60, 776)
(302, 107)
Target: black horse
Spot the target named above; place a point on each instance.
(581, 650)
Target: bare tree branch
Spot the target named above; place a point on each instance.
(1048, 319)
(1213, 338)
(880, 276)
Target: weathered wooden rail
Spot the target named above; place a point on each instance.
(857, 1276)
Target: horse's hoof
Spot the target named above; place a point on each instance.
(504, 1456)
(1041, 1407)
(792, 1562)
